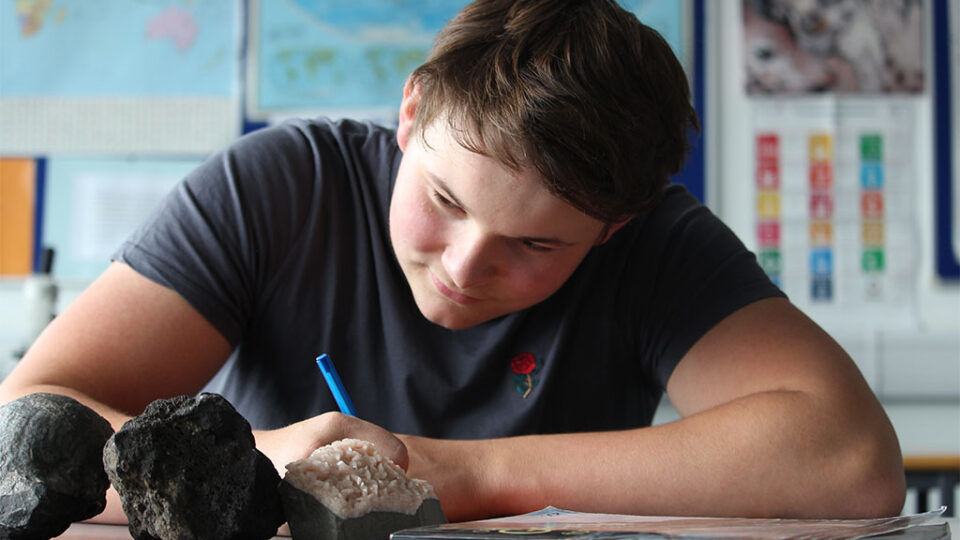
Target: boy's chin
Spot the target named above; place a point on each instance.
(452, 319)
(451, 322)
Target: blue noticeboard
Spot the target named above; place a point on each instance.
(693, 174)
(945, 192)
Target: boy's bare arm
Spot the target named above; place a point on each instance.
(777, 422)
(122, 343)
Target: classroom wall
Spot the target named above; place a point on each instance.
(908, 349)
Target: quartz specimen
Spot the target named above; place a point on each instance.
(187, 468)
(51, 469)
(348, 491)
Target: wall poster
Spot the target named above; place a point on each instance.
(835, 218)
(798, 46)
(115, 76)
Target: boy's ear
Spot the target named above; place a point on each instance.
(609, 229)
(408, 111)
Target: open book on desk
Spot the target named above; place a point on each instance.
(555, 523)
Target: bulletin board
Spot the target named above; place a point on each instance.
(843, 150)
(114, 102)
(834, 189)
(829, 177)
(110, 103)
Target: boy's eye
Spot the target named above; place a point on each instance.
(437, 196)
(535, 247)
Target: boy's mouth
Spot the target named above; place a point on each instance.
(450, 293)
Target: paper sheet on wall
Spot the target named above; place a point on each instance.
(835, 209)
(93, 205)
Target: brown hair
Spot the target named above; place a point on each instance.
(580, 90)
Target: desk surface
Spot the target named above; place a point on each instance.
(89, 531)
(93, 531)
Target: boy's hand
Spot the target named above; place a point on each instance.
(299, 440)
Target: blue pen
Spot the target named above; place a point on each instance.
(336, 385)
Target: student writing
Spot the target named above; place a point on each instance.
(508, 284)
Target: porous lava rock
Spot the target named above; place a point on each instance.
(51, 469)
(187, 468)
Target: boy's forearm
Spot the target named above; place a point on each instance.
(115, 417)
(770, 454)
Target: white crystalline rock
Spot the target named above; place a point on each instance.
(351, 479)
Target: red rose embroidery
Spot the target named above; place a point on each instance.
(523, 363)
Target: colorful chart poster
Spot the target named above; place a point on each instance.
(836, 224)
(118, 76)
(351, 58)
(17, 203)
(93, 205)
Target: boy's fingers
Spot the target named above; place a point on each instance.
(341, 426)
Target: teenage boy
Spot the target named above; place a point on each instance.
(507, 285)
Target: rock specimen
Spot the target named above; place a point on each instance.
(347, 491)
(187, 468)
(51, 469)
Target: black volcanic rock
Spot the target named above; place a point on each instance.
(187, 468)
(51, 468)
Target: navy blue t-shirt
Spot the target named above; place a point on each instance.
(281, 241)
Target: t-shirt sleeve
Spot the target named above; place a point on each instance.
(209, 239)
(693, 272)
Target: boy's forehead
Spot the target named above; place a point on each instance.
(444, 140)
(518, 201)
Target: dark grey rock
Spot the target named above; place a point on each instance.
(309, 519)
(187, 468)
(51, 470)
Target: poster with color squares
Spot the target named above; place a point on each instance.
(836, 224)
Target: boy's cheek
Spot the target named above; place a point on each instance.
(419, 231)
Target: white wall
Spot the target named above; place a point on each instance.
(14, 325)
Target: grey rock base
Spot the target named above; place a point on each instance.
(309, 519)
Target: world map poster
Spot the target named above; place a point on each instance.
(352, 57)
(158, 76)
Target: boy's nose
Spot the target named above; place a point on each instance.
(469, 261)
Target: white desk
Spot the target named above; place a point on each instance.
(93, 531)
